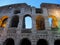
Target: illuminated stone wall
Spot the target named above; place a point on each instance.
(12, 25)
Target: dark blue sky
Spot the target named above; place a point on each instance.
(35, 3)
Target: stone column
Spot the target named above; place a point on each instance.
(20, 23)
(45, 14)
(22, 10)
(33, 24)
(33, 10)
(8, 22)
(47, 27)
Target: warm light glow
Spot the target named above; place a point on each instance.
(40, 22)
(3, 21)
(0, 22)
(54, 21)
(56, 12)
(4, 25)
(4, 17)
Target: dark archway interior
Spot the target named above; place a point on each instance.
(25, 42)
(57, 42)
(40, 22)
(9, 42)
(15, 21)
(42, 42)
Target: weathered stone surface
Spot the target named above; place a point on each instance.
(19, 33)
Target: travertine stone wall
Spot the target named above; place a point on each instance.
(16, 33)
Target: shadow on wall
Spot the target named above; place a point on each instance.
(42, 42)
(9, 41)
(14, 21)
(25, 41)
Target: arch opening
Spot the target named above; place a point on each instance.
(25, 41)
(57, 42)
(42, 42)
(53, 22)
(27, 22)
(3, 21)
(14, 21)
(40, 23)
(9, 41)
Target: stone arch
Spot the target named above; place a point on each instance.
(27, 21)
(9, 41)
(4, 21)
(14, 21)
(25, 41)
(57, 42)
(42, 42)
(40, 22)
(54, 21)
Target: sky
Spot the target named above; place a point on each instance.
(35, 3)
